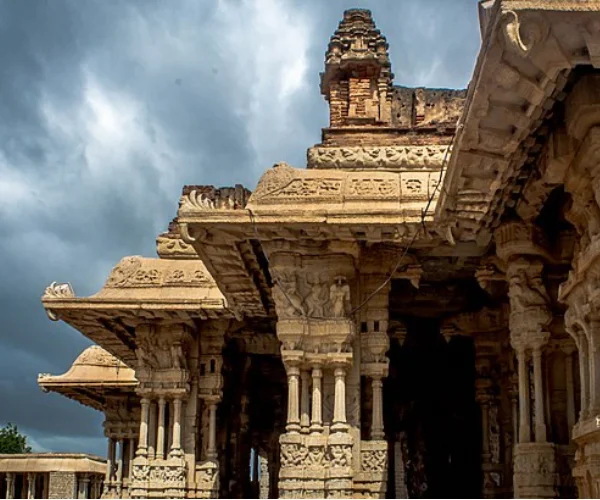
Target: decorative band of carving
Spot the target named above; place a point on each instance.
(377, 157)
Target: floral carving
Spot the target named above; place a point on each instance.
(374, 460)
(123, 271)
(374, 157)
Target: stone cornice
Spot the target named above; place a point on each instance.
(527, 53)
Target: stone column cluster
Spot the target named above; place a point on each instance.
(156, 433)
(122, 443)
(520, 245)
(305, 413)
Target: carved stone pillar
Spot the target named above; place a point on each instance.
(131, 458)
(293, 418)
(584, 377)
(120, 457)
(176, 444)
(523, 249)
(10, 485)
(377, 416)
(316, 424)
(83, 486)
(143, 441)
(304, 401)
(540, 424)
(160, 436)
(524, 416)
(110, 460)
(568, 350)
(594, 366)
(211, 451)
(339, 404)
(31, 477)
(152, 430)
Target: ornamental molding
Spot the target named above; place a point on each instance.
(284, 184)
(387, 157)
(139, 272)
(173, 248)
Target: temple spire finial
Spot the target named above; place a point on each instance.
(357, 78)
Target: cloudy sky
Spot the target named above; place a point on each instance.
(108, 107)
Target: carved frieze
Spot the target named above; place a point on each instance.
(284, 184)
(209, 198)
(389, 157)
(311, 295)
(137, 272)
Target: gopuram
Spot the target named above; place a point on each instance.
(414, 314)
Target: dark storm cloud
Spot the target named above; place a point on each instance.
(108, 108)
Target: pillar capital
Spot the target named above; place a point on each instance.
(516, 239)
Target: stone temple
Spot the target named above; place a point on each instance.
(414, 314)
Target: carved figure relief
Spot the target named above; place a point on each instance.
(339, 295)
(311, 295)
(340, 455)
(293, 454)
(161, 349)
(526, 288)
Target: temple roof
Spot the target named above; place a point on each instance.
(94, 374)
(52, 462)
(138, 290)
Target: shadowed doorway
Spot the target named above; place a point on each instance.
(431, 417)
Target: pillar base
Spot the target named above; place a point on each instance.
(535, 470)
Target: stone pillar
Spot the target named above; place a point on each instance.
(143, 441)
(110, 460)
(339, 404)
(120, 466)
(83, 486)
(524, 426)
(584, 376)
(131, 458)
(316, 424)
(152, 431)
(377, 416)
(10, 485)
(485, 429)
(540, 424)
(521, 246)
(568, 351)
(96, 487)
(304, 401)
(594, 367)
(293, 419)
(31, 477)
(176, 444)
(160, 436)
(211, 452)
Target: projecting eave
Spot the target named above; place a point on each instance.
(94, 375)
(527, 53)
(138, 290)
